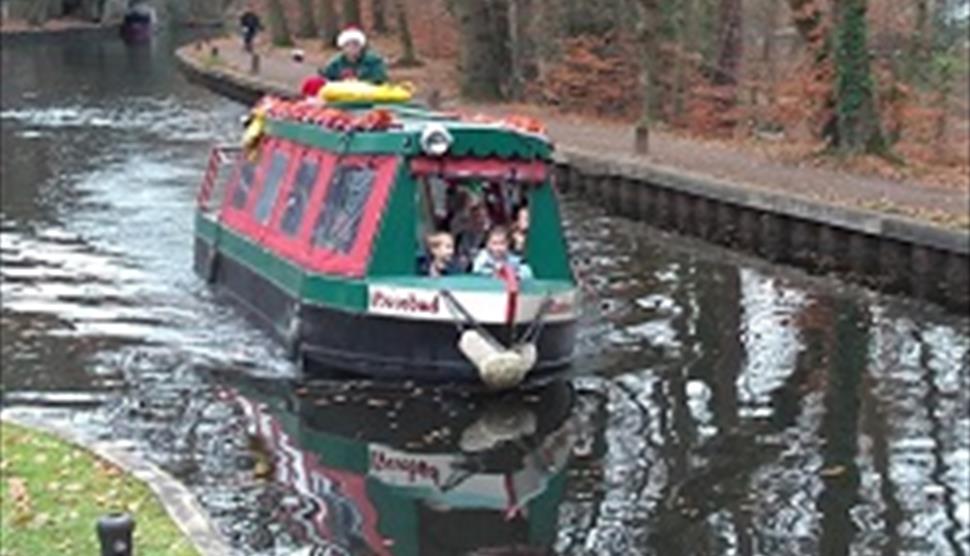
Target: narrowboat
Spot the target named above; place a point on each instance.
(317, 224)
(441, 476)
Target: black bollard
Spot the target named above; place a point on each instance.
(114, 534)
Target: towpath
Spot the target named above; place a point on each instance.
(941, 204)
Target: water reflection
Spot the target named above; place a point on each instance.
(416, 471)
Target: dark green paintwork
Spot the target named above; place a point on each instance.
(396, 247)
(546, 250)
(341, 293)
(394, 142)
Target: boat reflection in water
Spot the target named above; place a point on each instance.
(417, 471)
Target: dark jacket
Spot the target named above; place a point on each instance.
(369, 67)
(250, 22)
(424, 267)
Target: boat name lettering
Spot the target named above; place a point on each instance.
(405, 303)
(414, 468)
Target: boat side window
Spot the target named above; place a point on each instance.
(343, 208)
(264, 204)
(299, 197)
(247, 175)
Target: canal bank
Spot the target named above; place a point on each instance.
(889, 252)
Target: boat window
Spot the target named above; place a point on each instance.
(264, 204)
(247, 176)
(343, 208)
(299, 197)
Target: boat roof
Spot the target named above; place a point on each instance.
(478, 138)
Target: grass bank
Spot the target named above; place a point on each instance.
(53, 493)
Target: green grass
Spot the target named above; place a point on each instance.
(53, 493)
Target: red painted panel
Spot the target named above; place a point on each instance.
(352, 264)
(481, 168)
(238, 219)
(296, 247)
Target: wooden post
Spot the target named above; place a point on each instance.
(434, 99)
(641, 140)
(254, 64)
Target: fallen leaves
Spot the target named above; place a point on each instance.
(23, 505)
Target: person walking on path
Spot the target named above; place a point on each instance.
(355, 60)
(251, 26)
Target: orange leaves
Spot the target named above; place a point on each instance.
(595, 74)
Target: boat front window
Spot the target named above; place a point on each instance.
(247, 175)
(343, 208)
(299, 197)
(264, 203)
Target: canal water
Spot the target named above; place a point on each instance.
(720, 405)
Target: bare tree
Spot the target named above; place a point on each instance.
(409, 57)
(329, 22)
(351, 13)
(379, 11)
(729, 43)
(308, 24)
(484, 57)
(648, 19)
(522, 47)
(278, 28)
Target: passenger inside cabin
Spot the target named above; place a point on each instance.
(355, 61)
(469, 224)
(440, 257)
(520, 230)
(497, 255)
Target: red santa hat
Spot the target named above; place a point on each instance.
(312, 85)
(351, 33)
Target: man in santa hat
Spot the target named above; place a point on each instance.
(355, 60)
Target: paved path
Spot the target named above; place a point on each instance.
(939, 204)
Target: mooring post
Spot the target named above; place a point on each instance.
(641, 140)
(434, 99)
(254, 64)
(114, 534)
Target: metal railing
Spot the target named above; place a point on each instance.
(222, 161)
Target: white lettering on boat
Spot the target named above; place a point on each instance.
(404, 302)
(410, 468)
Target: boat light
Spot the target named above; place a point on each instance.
(436, 140)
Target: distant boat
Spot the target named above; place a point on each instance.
(138, 24)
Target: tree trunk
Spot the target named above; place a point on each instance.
(329, 22)
(648, 15)
(409, 57)
(815, 29)
(379, 9)
(729, 43)
(484, 64)
(858, 121)
(279, 30)
(920, 40)
(522, 47)
(308, 24)
(351, 13)
(685, 48)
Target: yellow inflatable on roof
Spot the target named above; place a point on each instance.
(361, 91)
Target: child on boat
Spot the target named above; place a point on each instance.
(497, 255)
(440, 258)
